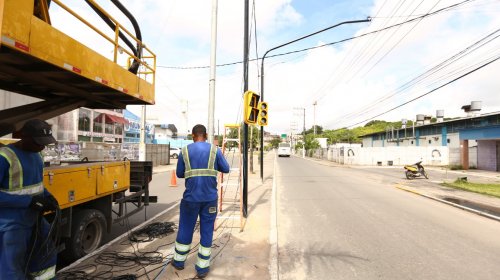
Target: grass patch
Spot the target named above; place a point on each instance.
(489, 189)
(456, 167)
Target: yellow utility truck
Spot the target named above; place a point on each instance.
(40, 61)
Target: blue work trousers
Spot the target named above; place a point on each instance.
(15, 248)
(189, 213)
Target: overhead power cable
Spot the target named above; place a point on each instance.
(399, 41)
(364, 52)
(334, 74)
(324, 45)
(427, 74)
(429, 92)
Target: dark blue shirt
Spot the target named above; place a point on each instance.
(201, 188)
(14, 209)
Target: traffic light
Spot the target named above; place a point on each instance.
(251, 109)
(263, 117)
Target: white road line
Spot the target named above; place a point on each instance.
(107, 245)
(273, 232)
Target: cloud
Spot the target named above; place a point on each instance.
(341, 78)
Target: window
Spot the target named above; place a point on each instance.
(84, 120)
(412, 142)
(119, 129)
(108, 128)
(448, 141)
(429, 141)
(98, 123)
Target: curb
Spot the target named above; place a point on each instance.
(480, 213)
(273, 231)
(107, 245)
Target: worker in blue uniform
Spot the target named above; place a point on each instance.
(25, 251)
(199, 163)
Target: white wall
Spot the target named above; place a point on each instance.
(398, 155)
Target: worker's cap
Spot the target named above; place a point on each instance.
(40, 131)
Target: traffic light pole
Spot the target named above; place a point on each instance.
(245, 125)
(262, 80)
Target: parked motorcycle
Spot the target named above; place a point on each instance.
(415, 170)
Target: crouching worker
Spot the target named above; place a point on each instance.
(26, 251)
(198, 163)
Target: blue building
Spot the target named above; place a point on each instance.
(132, 129)
(477, 135)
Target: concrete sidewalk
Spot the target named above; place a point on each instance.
(236, 254)
(481, 204)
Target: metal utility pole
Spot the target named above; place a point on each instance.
(314, 119)
(304, 135)
(245, 126)
(142, 136)
(251, 149)
(213, 52)
(262, 78)
(303, 131)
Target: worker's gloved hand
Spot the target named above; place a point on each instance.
(40, 203)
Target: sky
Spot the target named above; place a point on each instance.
(368, 77)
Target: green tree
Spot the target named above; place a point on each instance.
(311, 143)
(275, 142)
(319, 130)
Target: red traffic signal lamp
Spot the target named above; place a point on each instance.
(250, 107)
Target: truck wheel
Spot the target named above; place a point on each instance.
(175, 156)
(87, 231)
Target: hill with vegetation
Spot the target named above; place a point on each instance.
(354, 135)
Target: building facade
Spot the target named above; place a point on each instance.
(99, 125)
(132, 129)
(469, 141)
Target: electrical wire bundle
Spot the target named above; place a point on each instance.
(152, 231)
(126, 259)
(47, 247)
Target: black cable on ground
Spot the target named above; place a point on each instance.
(125, 277)
(127, 259)
(150, 232)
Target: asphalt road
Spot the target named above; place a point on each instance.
(351, 223)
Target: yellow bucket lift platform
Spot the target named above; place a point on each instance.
(40, 61)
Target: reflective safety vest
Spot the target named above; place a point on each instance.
(209, 171)
(16, 186)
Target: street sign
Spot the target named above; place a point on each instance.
(283, 135)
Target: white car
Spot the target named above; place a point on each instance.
(284, 150)
(175, 152)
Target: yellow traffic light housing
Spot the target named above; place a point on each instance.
(263, 117)
(251, 107)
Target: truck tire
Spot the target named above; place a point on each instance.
(87, 231)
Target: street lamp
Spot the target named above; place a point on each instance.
(262, 80)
